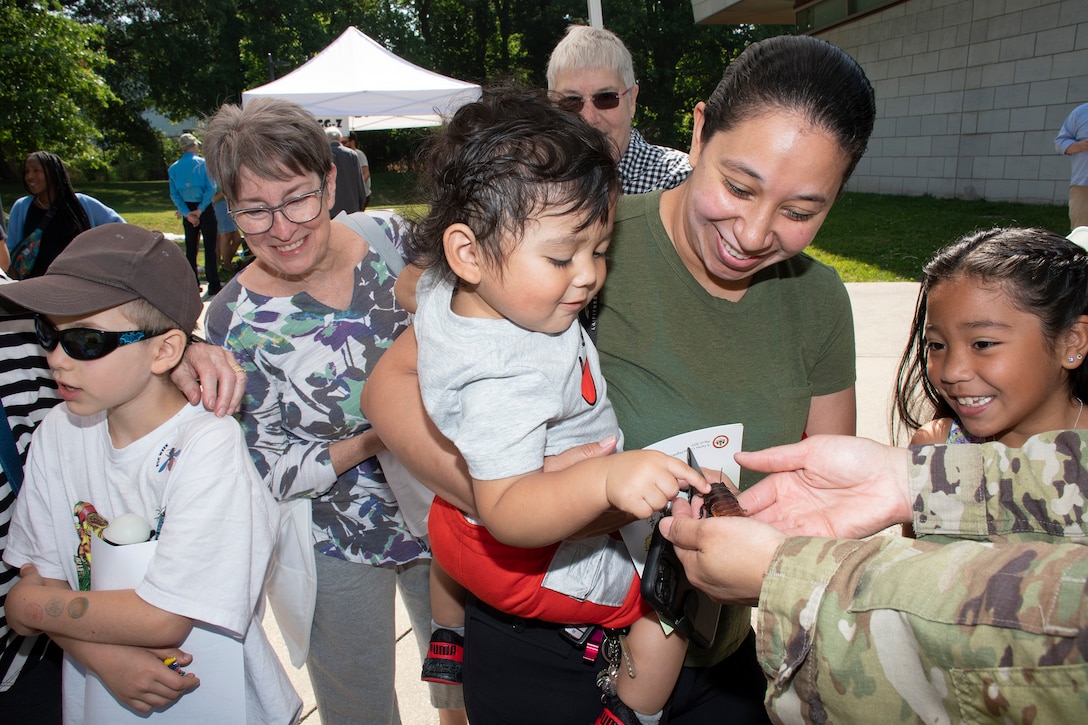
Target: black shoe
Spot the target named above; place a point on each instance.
(616, 713)
(444, 656)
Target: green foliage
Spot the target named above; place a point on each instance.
(50, 83)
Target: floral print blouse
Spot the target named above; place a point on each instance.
(306, 365)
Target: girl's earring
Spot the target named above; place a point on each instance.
(1074, 359)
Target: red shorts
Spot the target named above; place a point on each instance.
(509, 578)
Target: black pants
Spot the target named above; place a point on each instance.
(524, 671)
(208, 229)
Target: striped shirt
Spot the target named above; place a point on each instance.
(28, 393)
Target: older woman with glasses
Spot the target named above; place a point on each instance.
(308, 319)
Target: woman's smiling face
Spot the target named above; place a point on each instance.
(758, 194)
(35, 178)
(287, 249)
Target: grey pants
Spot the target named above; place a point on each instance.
(353, 640)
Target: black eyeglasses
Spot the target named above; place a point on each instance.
(297, 210)
(83, 343)
(605, 101)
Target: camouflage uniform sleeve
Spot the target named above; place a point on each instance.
(894, 630)
(990, 490)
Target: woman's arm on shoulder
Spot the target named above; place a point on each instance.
(210, 374)
(834, 414)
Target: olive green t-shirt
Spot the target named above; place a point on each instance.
(678, 359)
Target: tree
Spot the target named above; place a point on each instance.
(51, 84)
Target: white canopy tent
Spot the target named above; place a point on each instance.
(357, 84)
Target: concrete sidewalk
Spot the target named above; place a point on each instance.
(882, 316)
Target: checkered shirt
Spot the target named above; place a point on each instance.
(645, 167)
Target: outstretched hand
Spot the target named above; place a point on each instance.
(833, 486)
(726, 557)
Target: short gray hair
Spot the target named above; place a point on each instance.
(272, 138)
(332, 133)
(584, 47)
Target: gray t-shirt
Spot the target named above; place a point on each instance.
(506, 396)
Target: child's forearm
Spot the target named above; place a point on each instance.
(538, 509)
(108, 617)
(542, 508)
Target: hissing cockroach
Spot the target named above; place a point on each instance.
(721, 502)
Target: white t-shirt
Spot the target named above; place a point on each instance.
(217, 535)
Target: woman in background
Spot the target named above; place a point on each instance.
(43, 223)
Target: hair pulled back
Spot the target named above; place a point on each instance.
(801, 74)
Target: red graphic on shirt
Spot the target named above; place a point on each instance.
(589, 387)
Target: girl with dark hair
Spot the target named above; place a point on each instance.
(43, 223)
(996, 350)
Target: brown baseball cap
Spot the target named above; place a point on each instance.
(109, 265)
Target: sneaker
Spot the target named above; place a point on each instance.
(444, 656)
(616, 713)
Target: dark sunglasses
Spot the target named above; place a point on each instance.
(601, 101)
(83, 343)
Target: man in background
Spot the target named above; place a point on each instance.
(192, 190)
(1072, 140)
(349, 195)
(364, 166)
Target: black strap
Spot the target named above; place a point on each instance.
(42, 225)
(9, 454)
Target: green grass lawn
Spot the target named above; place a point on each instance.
(877, 238)
(867, 237)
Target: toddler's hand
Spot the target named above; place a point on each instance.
(642, 482)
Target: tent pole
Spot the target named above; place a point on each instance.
(596, 18)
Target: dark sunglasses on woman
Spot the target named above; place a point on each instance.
(605, 101)
(83, 343)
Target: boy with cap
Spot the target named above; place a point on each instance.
(115, 312)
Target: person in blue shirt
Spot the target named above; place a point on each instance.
(1072, 140)
(42, 223)
(191, 190)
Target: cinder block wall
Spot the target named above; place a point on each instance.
(970, 96)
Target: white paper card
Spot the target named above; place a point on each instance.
(713, 448)
(217, 657)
